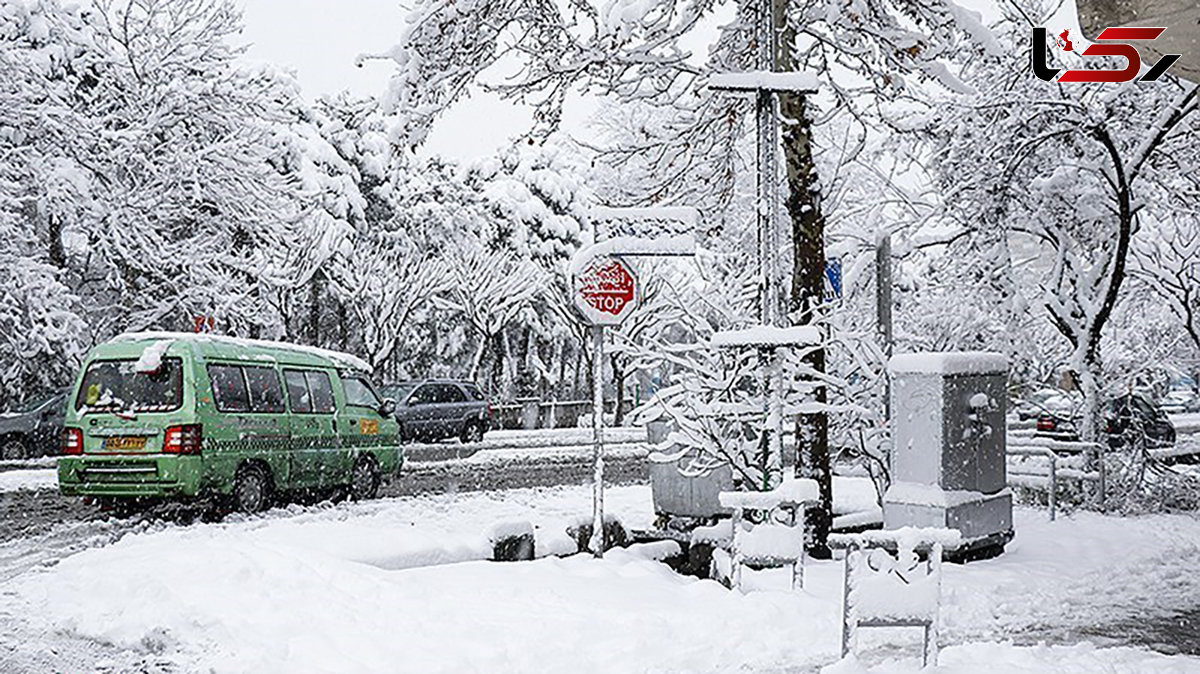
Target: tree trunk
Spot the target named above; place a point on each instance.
(58, 255)
(618, 372)
(808, 249)
(314, 310)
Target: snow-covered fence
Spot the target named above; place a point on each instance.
(778, 539)
(1046, 472)
(882, 589)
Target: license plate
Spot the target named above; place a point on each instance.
(129, 443)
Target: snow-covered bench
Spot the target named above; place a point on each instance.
(777, 538)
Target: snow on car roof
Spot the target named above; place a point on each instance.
(338, 357)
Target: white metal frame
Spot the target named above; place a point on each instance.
(851, 621)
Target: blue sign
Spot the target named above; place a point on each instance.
(833, 279)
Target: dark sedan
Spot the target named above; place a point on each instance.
(33, 430)
(1122, 417)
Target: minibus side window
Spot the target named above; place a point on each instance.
(360, 393)
(322, 392)
(297, 391)
(229, 388)
(265, 392)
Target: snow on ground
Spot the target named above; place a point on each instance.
(337, 589)
(28, 479)
(1186, 423)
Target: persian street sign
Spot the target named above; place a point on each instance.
(605, 291)
(1181, 18)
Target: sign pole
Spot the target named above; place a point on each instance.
(597, 542)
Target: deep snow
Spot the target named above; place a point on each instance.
(336, 589)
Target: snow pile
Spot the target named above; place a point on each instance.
(954, 362)
(769, 335)
(792, 490)
(151, 358)
(30, 479)
(680, 244)
(884, 587)
(771, 81)
(771, 541)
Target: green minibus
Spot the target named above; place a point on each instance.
(159, 416)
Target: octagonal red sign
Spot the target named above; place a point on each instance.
(606, 291)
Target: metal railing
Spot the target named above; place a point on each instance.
(1075, 468)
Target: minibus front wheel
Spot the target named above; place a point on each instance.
(364, 479)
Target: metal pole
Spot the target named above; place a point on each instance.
(883, 310)
(597, 542)
(771, 309)
(768, 177)
(1053, 484)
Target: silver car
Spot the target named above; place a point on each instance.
(435, 409)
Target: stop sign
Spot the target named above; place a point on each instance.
(605, 291)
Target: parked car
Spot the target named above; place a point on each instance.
(435, 409)
(1180, 402)
(1044, 400)
(34, 430)
(1131, 412)
(178, 416)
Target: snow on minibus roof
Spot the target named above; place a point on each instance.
(338, 357)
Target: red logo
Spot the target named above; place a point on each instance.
(1119, 36)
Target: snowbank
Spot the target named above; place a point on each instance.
(324, 591)
(28, 480)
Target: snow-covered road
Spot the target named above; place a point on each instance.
(336, 589)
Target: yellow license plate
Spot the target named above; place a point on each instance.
(368, 426)
(129, 443)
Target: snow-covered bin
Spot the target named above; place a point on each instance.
(678, 491)
(948, 458)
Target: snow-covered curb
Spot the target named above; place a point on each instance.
(28, 479)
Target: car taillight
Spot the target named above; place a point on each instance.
(182, 439)
(72, 441)
(488, 405)
(1045, 424)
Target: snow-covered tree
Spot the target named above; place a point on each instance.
(1063, 171)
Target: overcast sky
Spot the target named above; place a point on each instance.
(319, 40)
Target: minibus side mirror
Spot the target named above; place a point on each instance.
(388, 408)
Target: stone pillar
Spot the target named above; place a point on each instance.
(948, 454)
